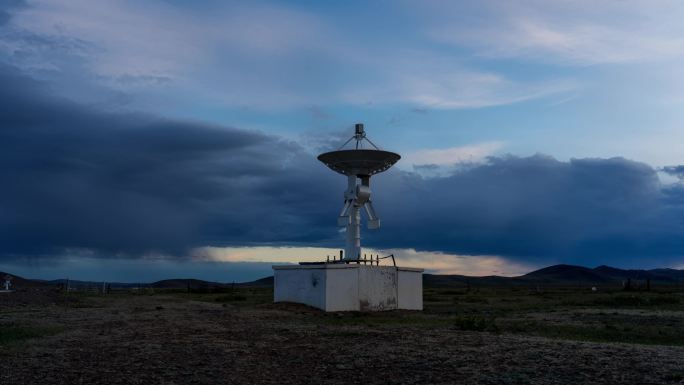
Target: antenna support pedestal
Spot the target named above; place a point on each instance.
(356, 196)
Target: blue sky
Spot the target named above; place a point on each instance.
(470, 89)
(564, 78)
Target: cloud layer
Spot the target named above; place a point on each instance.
(134, 185)
(540, 209)
(259, 55)
(130, 183)
(567, 32)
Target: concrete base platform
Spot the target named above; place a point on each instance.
(349, 287)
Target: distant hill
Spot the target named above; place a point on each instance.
(185, 283)
(552, 275)
(566, 274)
(672, 274)
(605, 273)
(562, 275)
(658, 275)
(200, 284)
(176, 283)
(263, 282)
(90, 284)
(20, 282)
(436, 280)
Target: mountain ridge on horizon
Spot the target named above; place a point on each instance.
(563, 274)
(554, 274)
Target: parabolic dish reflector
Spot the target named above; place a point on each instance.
(359, 162)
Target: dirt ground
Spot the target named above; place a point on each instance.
(176, 339)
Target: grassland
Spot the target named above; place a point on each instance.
(653, 317)
(477, 335)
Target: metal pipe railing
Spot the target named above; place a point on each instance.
(372, 261)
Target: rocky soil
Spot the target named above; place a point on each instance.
(167, 339)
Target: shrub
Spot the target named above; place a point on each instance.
(636, 300)
(230, 298)
(476, 323)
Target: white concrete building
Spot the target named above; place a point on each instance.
(349, 287)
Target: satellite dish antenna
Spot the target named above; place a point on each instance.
(358, 164)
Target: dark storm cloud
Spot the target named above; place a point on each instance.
(585, 211)
(131, 184)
